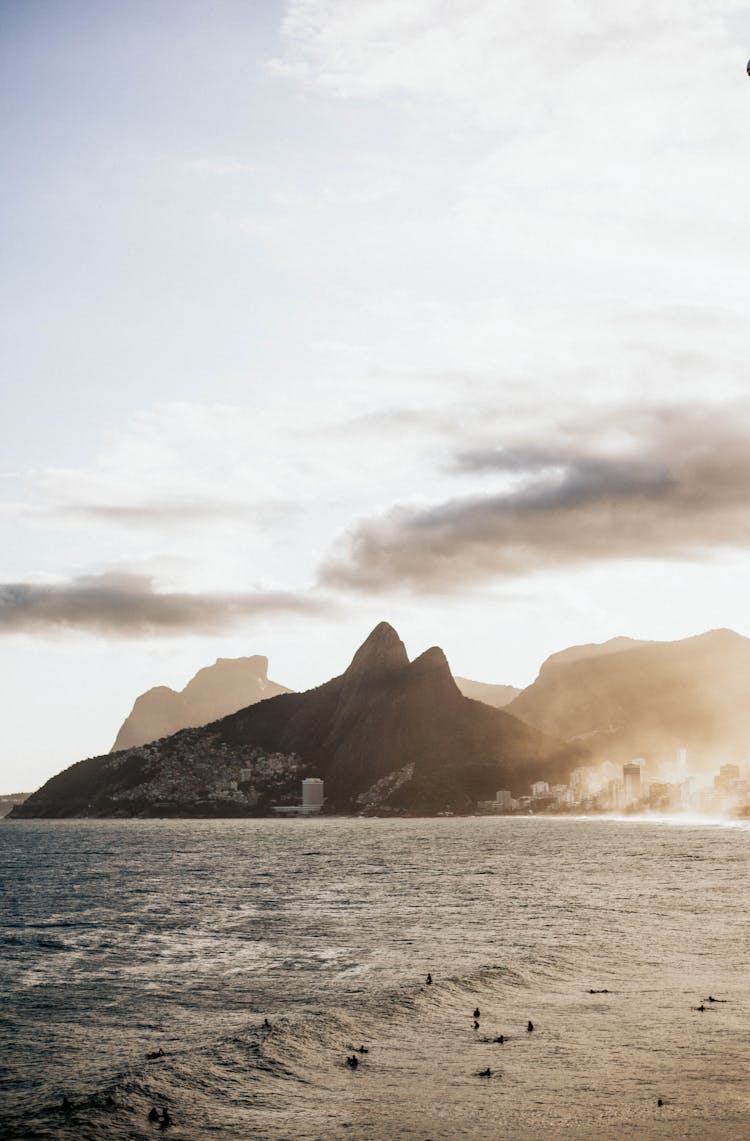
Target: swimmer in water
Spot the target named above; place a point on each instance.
(65, 1105)
(485, 1073)
(529, 1026)
(476, 1024)
(153, 1114)
(500, 1038)
(476, 1013)
(266, 1024)
(429, 980)
(166, 1120)
(363, 1050)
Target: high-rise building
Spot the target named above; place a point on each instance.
(681, 765)
(504, 798)
(724, 782)
(631, 775)
(312, 794)
(580, 782)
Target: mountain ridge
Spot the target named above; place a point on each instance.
(382, 718)
(648, 699)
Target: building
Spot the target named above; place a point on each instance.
(580, 782)
(682, 771)
(539, 788)
(504, 799)
(724, 782)
(687, 792)
(613, 794)
(312, 794)
(663, 796)
(631, 775)
(563, 795)
(312, 800)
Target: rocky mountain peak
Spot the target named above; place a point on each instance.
(382, 652)
(433, 664)
(215, 691)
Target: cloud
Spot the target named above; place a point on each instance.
(171, 512)
(499, 61)
(660, 483)
(128, 605)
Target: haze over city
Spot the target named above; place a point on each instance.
(318, 314)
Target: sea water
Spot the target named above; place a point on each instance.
(123, 938)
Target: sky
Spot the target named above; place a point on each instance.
(316, 314)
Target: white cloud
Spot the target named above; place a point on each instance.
(501, 61)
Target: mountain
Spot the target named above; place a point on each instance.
(591, 650)
(648, 699)
(497, 695)
(228, 685)
(386, 733)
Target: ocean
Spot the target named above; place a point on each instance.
(121, 939)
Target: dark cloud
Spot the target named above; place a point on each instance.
(127, 605)
(646, 483)
(560, 479)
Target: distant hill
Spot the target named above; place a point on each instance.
(496, 695)
(229, 685)
(387, 734)
(591, 650)
(9, 800)
(648, 699)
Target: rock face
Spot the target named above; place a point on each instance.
(496, 695)
(648, 698)
(229, 685)
(387, 733)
